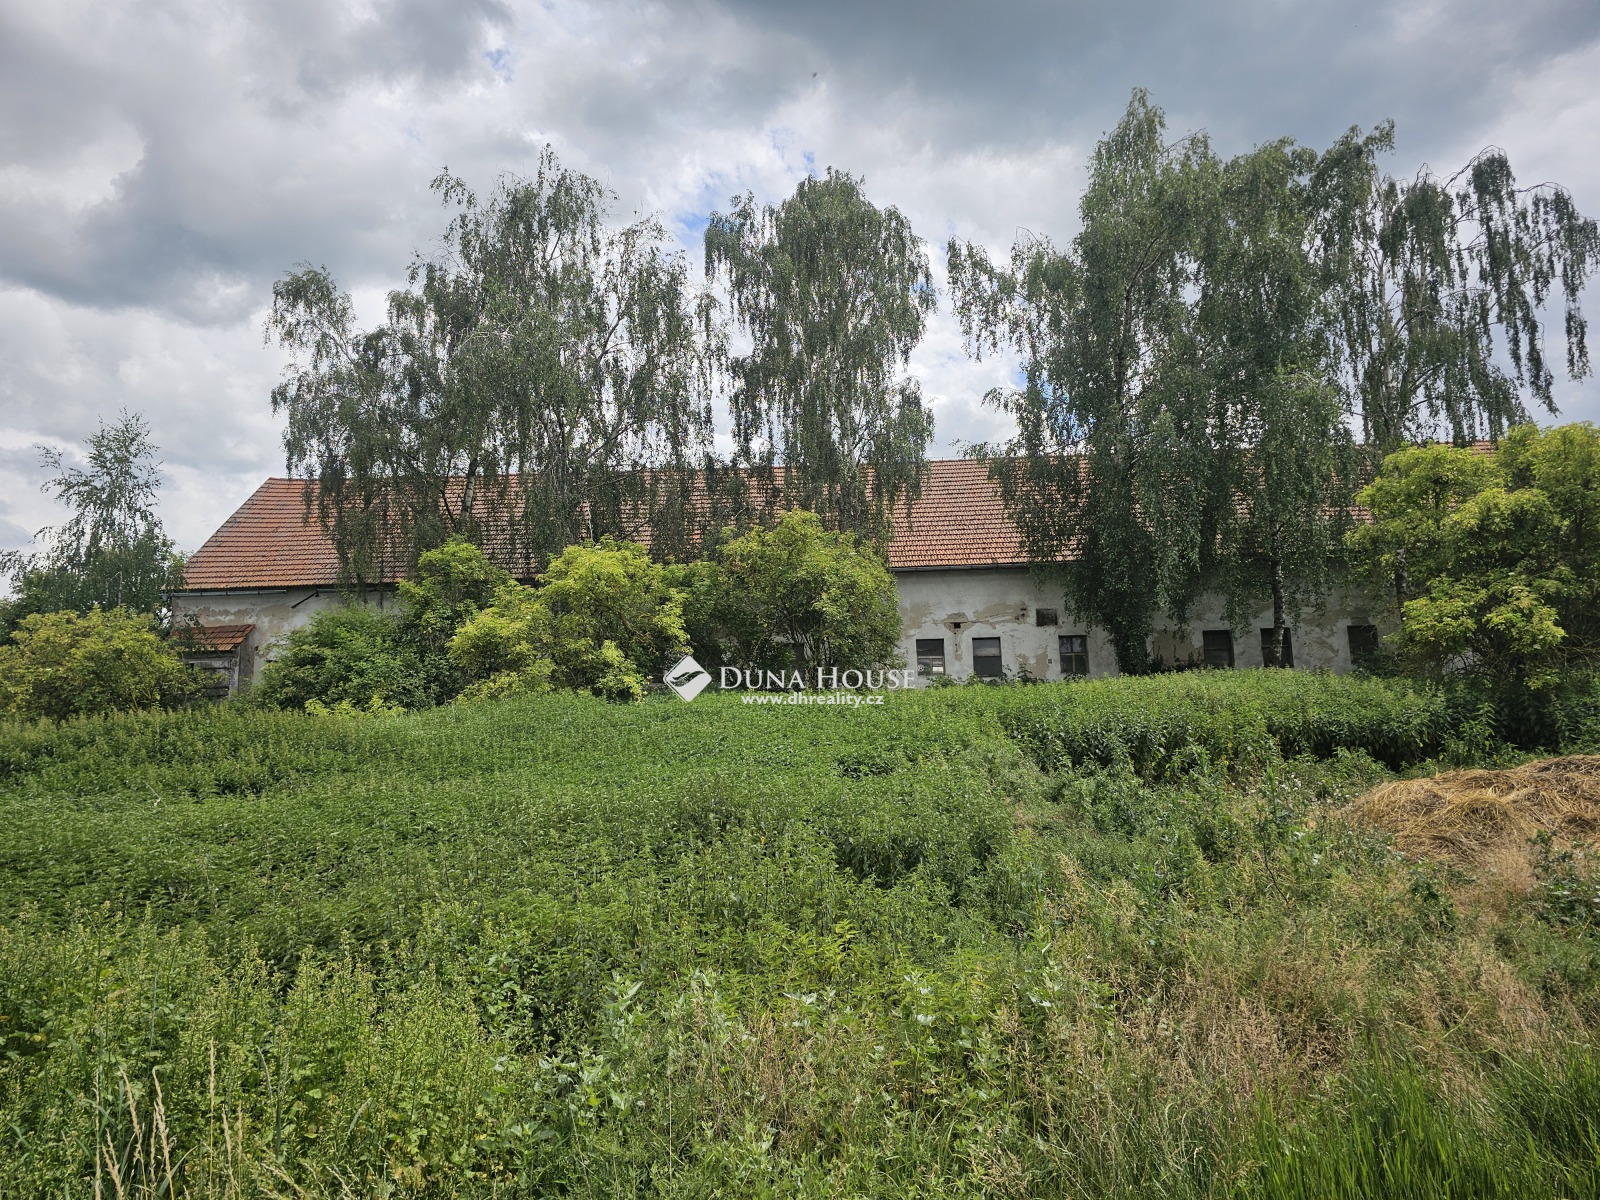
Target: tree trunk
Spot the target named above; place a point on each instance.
(1275, 646)
(468, 493)
(1133, 654)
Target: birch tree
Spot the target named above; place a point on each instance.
(1283, 461)
(833, 293)
(544, 379)
(1109, 467)
(1439, 288)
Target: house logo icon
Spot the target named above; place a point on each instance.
(688, 678)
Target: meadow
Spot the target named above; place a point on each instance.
(1110, 938)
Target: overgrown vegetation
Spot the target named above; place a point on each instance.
(61, 664)
(1096, 940)
(1195, 362)
(1492, 559)
(603, 618)
(111, 551)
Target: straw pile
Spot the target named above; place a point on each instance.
(1483, 820)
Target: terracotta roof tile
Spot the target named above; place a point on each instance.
(271, 542)
(958, 521)
(214, 638)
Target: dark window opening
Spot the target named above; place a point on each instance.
(1218, 647)
(986, 662)
(1046, 616)
(930, 656)
(1363, 642)
(1074, 654)
(1266, 649)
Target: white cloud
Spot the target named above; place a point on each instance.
(164, 164)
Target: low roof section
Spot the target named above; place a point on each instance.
(212, 639)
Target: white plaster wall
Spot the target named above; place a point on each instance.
(996, 602)
(275, 613)
(954, 605)
(1002, 602)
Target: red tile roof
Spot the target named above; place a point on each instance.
(214, 639)
(958, 521)
(271, 542)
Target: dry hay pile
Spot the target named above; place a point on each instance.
(1484, 821)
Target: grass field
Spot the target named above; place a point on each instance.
(1104, 939)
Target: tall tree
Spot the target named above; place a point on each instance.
(1197, 366)
(1495, 558)
(543, 380)
(1108, 467)
(112, 550)
(833, 292)
(1438, 286)
(1283, 460)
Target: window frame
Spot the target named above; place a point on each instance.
(1288, 648)
(1079, 655)
(923, 655)
(1369, 635)
(997, 658)
(1207, 650)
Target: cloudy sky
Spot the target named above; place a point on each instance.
(162, 163)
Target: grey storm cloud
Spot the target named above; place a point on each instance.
(163, 161)
(1252, 69)
(212, 117)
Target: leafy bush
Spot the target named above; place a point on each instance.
(1152, 723)
(604, 619)
(799, 595)
(350, 654)
(1498, 557)
(64, 664)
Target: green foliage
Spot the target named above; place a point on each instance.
(1392, 1133)
(453, 583)
(485, 949)
(1284, 465)
(834, 293)
(1111, 451)
(351, 654)
(604, 618)
(553, 368)
(63, 664)
(1157, 725)
(1568, 879)
(1492, 573)
(1195, 363)
(798, 595)
(111, 552)
(1433, 283)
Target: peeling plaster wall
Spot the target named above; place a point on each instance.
(274, 613)
(955, 606)
(958, 606)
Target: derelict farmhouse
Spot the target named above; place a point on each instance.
(969, 603)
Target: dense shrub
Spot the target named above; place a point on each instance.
(1155, 723)
(65, 664)
(604, 619)
(799, 595)
(1497, 557)
(349, 655)
(550, 946)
